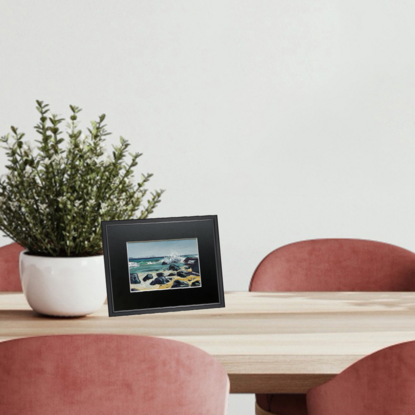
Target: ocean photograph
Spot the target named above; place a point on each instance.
(164, 265)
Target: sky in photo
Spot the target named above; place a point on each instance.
(162, 248)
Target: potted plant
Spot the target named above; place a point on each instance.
(52, 202)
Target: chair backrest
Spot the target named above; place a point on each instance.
(381, 383)
(9, 267)
(336, 265)
(108, 375)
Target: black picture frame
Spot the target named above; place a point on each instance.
(121, 235)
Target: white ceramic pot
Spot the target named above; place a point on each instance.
(65, 287)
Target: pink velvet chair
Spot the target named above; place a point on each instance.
(109, 375)
(330, 265)
(9, 267)
(381, 383)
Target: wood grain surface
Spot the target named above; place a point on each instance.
(268, 342)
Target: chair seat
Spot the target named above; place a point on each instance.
(380, 383)
(105, 374)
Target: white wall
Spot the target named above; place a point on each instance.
(288, 119)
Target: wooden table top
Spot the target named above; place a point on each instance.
(268, 342)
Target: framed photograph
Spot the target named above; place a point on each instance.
(160, 265)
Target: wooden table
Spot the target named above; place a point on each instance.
(268, 342)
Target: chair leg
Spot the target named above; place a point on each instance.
(260, 411)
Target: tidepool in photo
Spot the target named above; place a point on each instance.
(164, 265)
